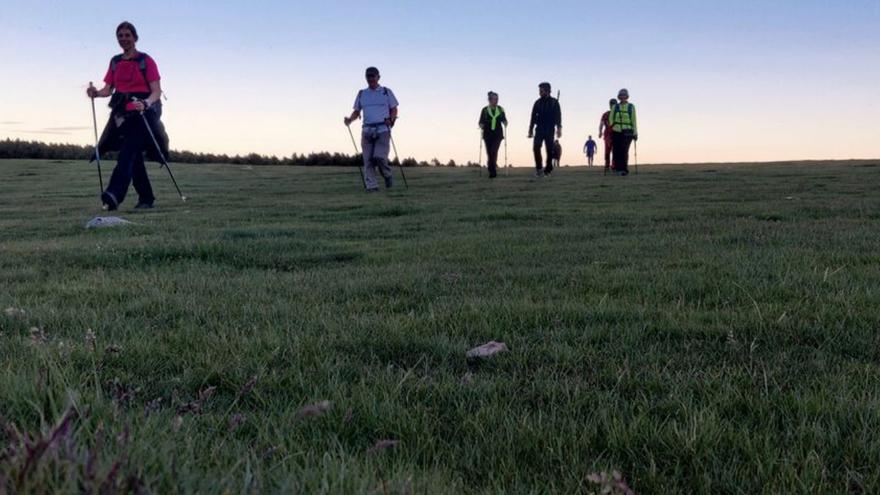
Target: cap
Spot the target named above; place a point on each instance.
(623, 92)
(544, 85)
(372, 71)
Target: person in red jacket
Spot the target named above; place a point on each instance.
(605, 132)
(132, 82)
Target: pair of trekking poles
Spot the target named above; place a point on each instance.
(161, 155)
(396, 157)
(480, 159)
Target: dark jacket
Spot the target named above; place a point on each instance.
(112, 137)
(546, 116)
(486, 124)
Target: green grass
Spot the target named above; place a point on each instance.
(702, 329)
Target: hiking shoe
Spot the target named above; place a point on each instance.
(539, 173)
(389, 182)
(109, 201)
(144, 206)
(373, 190)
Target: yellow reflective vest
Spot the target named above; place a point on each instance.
(623, 118)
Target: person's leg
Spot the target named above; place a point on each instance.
(141, 181)
(608, 146)
(367, 145)
(536, 147)
(548, 148)
(492, 146)
(627, 142)
(132, 148)
(381, 149)
(621, 152)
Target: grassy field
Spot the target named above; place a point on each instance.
(700, 329)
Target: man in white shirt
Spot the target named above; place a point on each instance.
(379, 107)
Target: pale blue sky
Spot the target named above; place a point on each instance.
(713, 81)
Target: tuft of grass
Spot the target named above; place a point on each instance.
(692, 329)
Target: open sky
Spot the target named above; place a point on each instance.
(742, 80)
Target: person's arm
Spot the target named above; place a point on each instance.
(104, 92)
(558, 120)
(155, 94)
(93, 92)
(601, 126)
(481, 122)
(533, 120)
(392, 117)
(356, 114)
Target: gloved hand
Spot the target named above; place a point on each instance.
(390, 122)
(92, 92)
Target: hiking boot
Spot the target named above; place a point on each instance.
(109, 201)
(539, 173)
(144, 206)
(373, 190)
(389, 182)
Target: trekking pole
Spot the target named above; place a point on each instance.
(161, 155)
(480, 156)
(506, 165)
(394, 147)
(636, 144)
(97, 153)
(356, 153)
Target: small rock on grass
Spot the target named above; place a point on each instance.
(106, 222)
(487, 350)
(313, 410)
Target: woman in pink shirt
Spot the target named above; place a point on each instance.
(132, 83)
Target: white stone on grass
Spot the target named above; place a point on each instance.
(487, 350)
(105, 222)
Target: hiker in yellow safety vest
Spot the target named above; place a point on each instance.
(493, 122)
(624, 130)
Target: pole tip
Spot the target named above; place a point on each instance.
(183, 198)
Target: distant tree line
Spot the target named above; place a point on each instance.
(16, 148)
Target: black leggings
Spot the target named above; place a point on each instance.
(547, 141)
(492, 146)
(130, 166)
(620, 142)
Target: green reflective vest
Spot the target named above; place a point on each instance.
(623, 118)
(494, 116)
